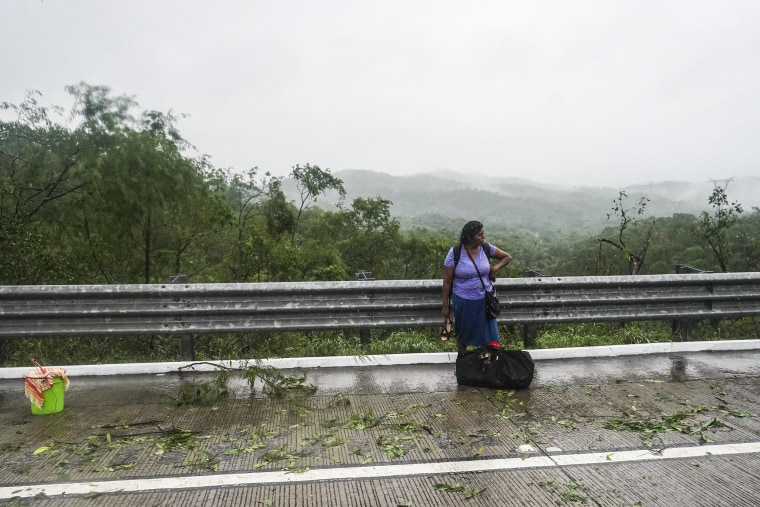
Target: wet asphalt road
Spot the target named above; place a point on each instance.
(542, 446)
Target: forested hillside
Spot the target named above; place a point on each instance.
(107, 193)
(436, 199)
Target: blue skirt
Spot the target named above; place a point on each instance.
(471, 326)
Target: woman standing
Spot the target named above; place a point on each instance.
(463, 291)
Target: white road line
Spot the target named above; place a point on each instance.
(371, 472)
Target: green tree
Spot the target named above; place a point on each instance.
(194, 225)
(40, 174)
(321, 239)
(747, 251)
(629, 218)
(279, 214)
(248, 196)
(673, 242)
(312, 182)
(370, 240)
(420, 255)
(146, 203)
(714, 228)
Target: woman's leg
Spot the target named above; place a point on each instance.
(460, 328)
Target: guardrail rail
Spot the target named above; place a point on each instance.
(190, 309)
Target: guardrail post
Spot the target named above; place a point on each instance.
(680, 327)
(187, 340)
(531, 329)
(365, 336)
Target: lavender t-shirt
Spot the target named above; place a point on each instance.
(466, 283)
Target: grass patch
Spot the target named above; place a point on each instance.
(114, 350)
(589, 335)
(615, 333)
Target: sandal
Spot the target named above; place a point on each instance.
(446, 329)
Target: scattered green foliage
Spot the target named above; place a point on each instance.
(11, 447)
(460, 488)
(571, 492)
(363, 421)
(684, 422)
(176, 439)
(279, 456)
(206, 393)
(397, 445)
(275, 384)
(339, 400)
(574, 494)
(326, 440)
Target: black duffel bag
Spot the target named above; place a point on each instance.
(495, 368)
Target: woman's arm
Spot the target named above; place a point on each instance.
(504, 259)
(448, 280)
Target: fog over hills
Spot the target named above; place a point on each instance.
(444, 199)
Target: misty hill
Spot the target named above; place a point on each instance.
(444, 199)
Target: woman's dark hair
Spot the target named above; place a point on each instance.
(469, 231)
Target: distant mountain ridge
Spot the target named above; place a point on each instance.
(434, 199)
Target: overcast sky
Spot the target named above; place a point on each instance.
(608, 92)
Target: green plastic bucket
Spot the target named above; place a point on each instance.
(52, 399)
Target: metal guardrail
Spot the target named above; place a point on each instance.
(181, 309)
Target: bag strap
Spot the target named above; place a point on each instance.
(458, 252)
(480, 277)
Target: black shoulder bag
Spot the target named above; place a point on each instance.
(492, 299)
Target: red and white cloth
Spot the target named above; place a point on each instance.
(36, 382)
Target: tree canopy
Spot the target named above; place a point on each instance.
(108, 193)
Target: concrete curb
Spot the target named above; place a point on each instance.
(394, 359)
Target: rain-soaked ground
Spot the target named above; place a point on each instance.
(658, 429)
